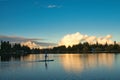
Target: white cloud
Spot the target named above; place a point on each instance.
(40, 45)
(54, 6)
(71, 39)
(76, 38)
(103, 40)
(31, 42)
(91, 39)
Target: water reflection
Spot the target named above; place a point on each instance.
(46, 66)
(70, 62)
(31, 57)
(80, 62)
(27, 60)
(9, 58)
(79, 66)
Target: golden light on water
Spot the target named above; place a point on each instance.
(35, 57)
(79, 62)
(106, 59)
(72, 62)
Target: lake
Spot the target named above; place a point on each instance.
(102, 66)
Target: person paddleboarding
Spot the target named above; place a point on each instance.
(46, 55)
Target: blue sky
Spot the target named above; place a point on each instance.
(52, 19)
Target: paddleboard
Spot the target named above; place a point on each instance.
(44, 60)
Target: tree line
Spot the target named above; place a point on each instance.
(7, 48)
(86, 48)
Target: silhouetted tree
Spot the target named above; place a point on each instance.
(5, 47)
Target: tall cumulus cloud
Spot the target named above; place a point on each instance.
(76, 38)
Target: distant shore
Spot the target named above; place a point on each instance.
(82, 48)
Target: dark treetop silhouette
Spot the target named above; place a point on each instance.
(7, 49)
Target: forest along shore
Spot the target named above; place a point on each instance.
(6, 48)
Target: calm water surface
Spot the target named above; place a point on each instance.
(103, 66)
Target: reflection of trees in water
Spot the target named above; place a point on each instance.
(9, 62)
(10, 58)
(79, 62)
(5, 58)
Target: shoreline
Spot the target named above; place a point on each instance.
(24, 54)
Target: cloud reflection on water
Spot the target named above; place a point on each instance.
(80, 62)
